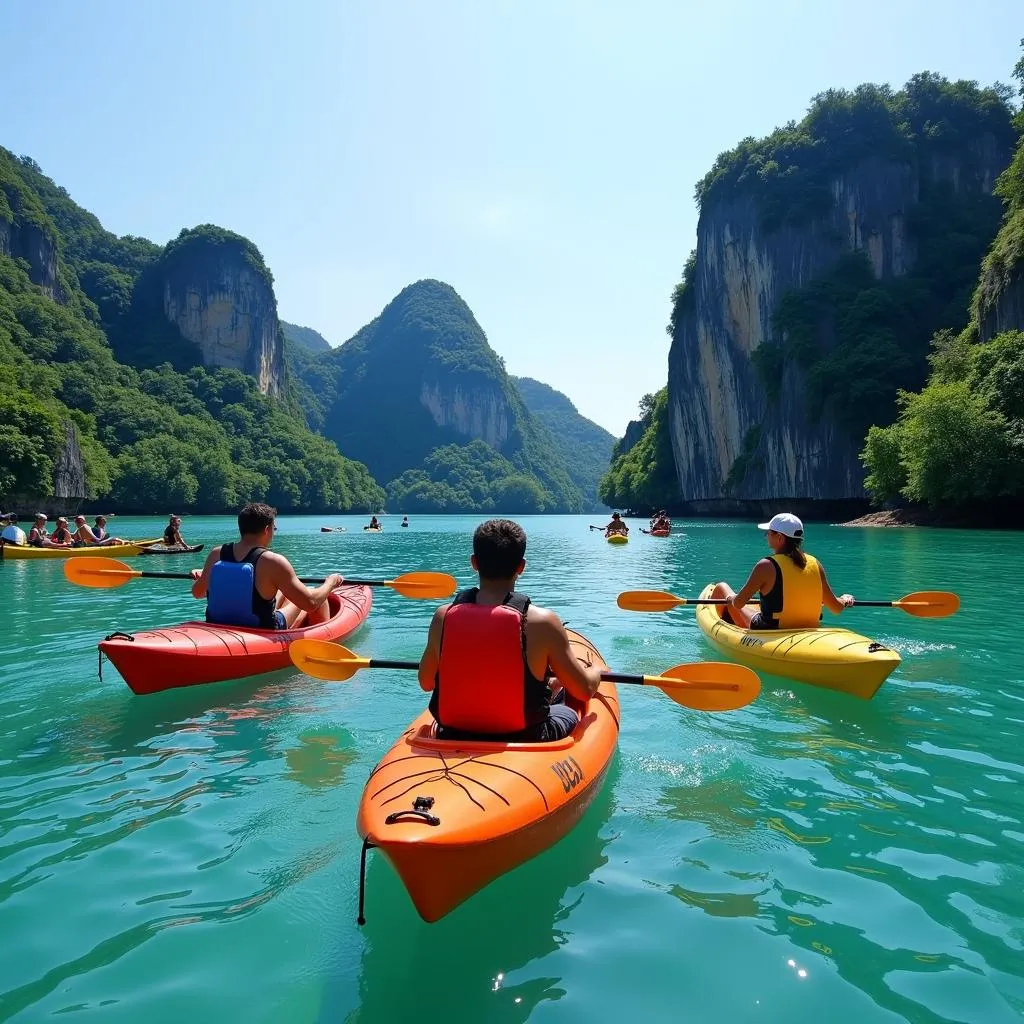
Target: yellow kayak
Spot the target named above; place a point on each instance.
(833, 658)
(9, 551)
(617, 538)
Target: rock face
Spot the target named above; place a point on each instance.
(999, 302)
(421, 376)
(718, 410)
(68, 482)
(220, 296)
(472, 413)
(30, 243)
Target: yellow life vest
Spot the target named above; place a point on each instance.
(795, 600)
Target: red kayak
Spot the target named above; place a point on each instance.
(661, 533)
(199, 652)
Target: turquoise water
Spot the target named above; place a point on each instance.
(192, 855)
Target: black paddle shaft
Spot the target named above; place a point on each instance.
(315, 580)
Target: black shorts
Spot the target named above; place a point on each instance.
(760, 622)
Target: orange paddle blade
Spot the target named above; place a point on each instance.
(324, 660)
(929, 604)
(424, 584)
(709, 685)
(648, 600)
(99, 573)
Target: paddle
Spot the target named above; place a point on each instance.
(703, 686)
(107, 573)
(925, 604)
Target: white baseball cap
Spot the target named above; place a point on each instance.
(785, 523)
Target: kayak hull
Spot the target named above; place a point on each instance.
(661, 533)
(198, 652)
(9, 551)
(617, 538)
(496, 805)
(160, 549)
(832, 658)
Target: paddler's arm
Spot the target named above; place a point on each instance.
(282, 575)
(432, 652)
(829, 599)
(201, 578)
(580, 680)
(761, 580)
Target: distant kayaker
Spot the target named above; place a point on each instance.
(172, 533)
(792, 585)
(374, 525)
(405, 520)
(100, 530)
(247, 585)
(617, 525)
(12, 533)
(489, 677)
(84, 534)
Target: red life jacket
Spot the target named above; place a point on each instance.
(483, 682)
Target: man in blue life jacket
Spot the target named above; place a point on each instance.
(245, 584)
(490, 652)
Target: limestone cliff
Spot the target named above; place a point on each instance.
(999, 299)
(37, 247)
(474, 412)
(220, 296)
(419, 377)
(69, 485)
(733, 440)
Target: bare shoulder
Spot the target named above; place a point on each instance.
(542, 619)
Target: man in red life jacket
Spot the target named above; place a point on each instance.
(489, 653)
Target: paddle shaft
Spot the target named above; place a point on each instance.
(315, 580)
(856, 604)
(608, 677)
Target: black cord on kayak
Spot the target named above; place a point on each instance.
(367, 845)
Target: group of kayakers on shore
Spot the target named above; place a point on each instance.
(83, 535)
(246, 584)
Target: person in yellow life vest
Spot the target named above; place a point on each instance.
(792, 585)
(490, 653)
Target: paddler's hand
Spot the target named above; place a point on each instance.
(195, 574)
(846, 600)
(335, 580)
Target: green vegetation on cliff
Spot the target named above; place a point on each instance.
(960, 441)
(643, 477)
(151, 436)
(788, 174)
(585, 447)
(422, 378)
(305, 337)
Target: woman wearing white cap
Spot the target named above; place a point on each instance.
(792, 585)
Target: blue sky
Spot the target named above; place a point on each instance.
(537, 155)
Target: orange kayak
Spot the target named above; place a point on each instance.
(452, 815)
(201, 652)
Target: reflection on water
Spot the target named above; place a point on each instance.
(514, 921)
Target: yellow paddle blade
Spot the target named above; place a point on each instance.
(424, 584)
(648, 600)
(709, 685)
(929, 604)
(324, 660)
(101, 573)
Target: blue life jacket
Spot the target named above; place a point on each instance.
(232, 598)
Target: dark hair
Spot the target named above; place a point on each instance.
(499, 546)
(791, 547)
(255, 518)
